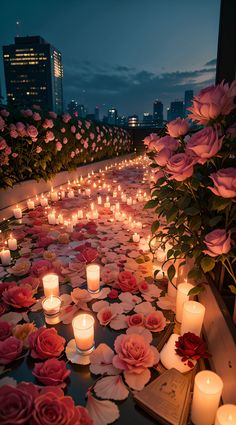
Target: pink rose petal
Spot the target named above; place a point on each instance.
(137, 381)
(112, 388)
(140, 330)
(102, 411)
(145, 308)
(119, 322)
(99, 305)
(101, 360)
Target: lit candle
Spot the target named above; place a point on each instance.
(136, 237)
(129, 201)
(123, 197)
(17, 212)
(51, 307)
(12, 243)
(192, 318)
(114, 194)
(139, 225)
(63, 193)
(60, 219)
(51, 217)
(117, 207)
(51, 285)
(206, 397)
(92, 206)
(69, 226)
(30, 204)
(80, 214)
(43, 201)
(53, 195)
(160, 253)
(226, 415)
(170, 359)
(83, 328)
(99, 200)
(71, 194)
(88, 192)
(5, 256)
(74, 219)
(95, 214)
(182, 296)
(93, 278)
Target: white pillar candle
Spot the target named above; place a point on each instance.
(5, 256)
(182, 296)
(53, 196)
(206, 397)
(95, 214)
(51, 217)
(51, 285)
(117, 206)
(139, 225)
(170, 359)
(12, 243)
(30, 204)
(63, 194)
(129, 201)
(74, 219)
(70, 194)
(99, 200)
(92, 206)
(43, 201)
(51, 307)
(107, 204)
(88, 191)
(136, 237)
(80, 214)
(123, 197)
(226, 415)
(114, 194)
(93, 277)
(69, 226)
(60, 219)
(192, 318)
(83, 328)
(17, 212)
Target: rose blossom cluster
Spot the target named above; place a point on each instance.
(154, 321)
(191, 347)
(26, 403)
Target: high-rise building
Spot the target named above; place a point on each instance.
(33, 73)
(112, 116)
(158, 112)
(147, 119)
(72, 107)
(188, 98)
(133, 121)
(97, 113)
(122, 121)
(168, 114)
(82, 111)
(176, 109)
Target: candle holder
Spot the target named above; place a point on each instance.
(51, 285)
(51, 307)
(83, 328)
(93, 278)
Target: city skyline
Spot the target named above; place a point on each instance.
(127, 69)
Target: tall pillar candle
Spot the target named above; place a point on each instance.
(83, 328)
(192, 318)
(17, 212)
(30, 204)
(207, 392)
(12, 243)
(93, 278)
(51, 285)
(226, 415)
(182, 296)
(5, 256)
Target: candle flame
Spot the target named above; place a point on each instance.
(208, 381)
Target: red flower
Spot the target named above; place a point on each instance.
(5, 330)
(46, 343)
(18, 296)
(190, 347)
(127, 282)
(51, 372)
(113, 294)
(10, 349)
(16, 406)
(87, 254)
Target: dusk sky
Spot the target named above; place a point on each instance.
(122, 53)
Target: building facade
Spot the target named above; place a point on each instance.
(112, 116)
(33, 74)
(158, 112)
(188, 98)
(176, 109)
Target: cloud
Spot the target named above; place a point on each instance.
(211, 63)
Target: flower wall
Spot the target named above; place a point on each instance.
(194, 186)
(35, 145)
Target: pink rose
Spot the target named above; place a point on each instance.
(51, 372)
(224, 182)
(212, 102)
(3, 143)
(162, 157)
(58, 146)
(32, 131)
(19, 296)
(205, 144)
(48, 123)
(38, 149)
(134, 354)
(155, 321)
(66, 118)
(217, 242)
(180, 166)
(136, 319)
(15, 155)
(5, 330)
(10, 349)
(49, 136)
(52, 114)
(113, 294)
(65, 140)
(127, 282)
(178, 127)
(46, 343)
(166, 142)
(41, 267)
(16, 405)
(78, 136)
(36, 116)
(106, 314)
(73, 129)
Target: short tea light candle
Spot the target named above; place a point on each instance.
(12, 243)
(182, 296)
(207, 391)
(226, 415)
(5, 256)
(51, 307)
(83, 328)
(93, 278)
(30, 204)
(51, 285)
(43, 201)
(17, 212)
(53, 196)
(136, 237)
(71, 194)
(192, 318)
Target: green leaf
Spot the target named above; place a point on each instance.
(195, 223)
(207, 264)
(232, 289)
(184, 202)
(196, 290)
(155, 226)
(170, 252)
(215, 220)
(220, 204)
(171, 272)
(194, 274)
(191, 211)
(152, 203)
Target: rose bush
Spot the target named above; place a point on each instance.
(37, 145)
(194, 188)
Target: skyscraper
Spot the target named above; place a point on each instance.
(82, 111)
(158, 112)
(112, 116)
(97, 113)
(133, 121)
(72, 107)
(147, 119)
(188, 98)
(176, 109)
(33, 73)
